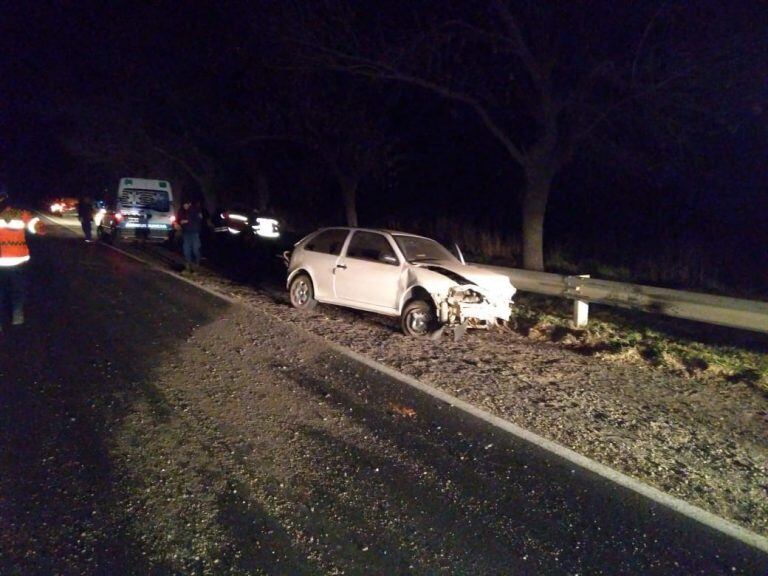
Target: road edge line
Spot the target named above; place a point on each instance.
(667, 500)
(680, 506)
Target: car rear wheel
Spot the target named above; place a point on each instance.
(418, 319)
(302, 293)
(104, 235)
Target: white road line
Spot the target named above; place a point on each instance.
(66, 223)
(689, 510)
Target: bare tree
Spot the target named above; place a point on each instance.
(544, 81)
(346, 128)
(119, 139)
(187, 153)
(338, 118)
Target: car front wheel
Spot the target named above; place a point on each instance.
(302, 293)
(418, 319)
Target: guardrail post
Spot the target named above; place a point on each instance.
(580, 307)
(580, 313)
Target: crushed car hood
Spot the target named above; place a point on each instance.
(464, 274)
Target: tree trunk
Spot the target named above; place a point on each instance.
(177, 186)
(206, 189)
(538, 182)
(349, 195)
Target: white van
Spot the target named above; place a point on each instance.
(141, 208)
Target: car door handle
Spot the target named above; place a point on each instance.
(342, 266)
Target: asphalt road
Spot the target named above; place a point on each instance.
(379, 478)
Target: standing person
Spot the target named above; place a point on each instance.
(85, 213)
(14, 254)
(190, 218)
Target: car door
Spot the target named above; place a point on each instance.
(319, 255)
(368, 273)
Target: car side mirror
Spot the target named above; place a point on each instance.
(388, 259)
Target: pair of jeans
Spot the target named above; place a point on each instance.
(86, 224)
(13, 290)
(191, 247)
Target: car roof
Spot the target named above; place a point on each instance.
(379, 230)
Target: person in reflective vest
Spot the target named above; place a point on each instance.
(15, 224)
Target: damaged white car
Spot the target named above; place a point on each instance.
(396, 274)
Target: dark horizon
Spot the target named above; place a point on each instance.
(81, 79)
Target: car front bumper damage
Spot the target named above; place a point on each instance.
(473, 306)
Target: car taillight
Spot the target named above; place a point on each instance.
(118, 216)
(173, 219)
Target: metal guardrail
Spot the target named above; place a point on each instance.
(720, 310)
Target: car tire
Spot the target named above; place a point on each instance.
(108, 237)
(302, 292)
(418, 319)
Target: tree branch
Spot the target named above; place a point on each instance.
(342, 62)
(643, 38)
(516, 36)
(181, 162)
(623, 101)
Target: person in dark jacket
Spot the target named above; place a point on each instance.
(85, 214)
(190, 219)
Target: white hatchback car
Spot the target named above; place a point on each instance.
(396, 274)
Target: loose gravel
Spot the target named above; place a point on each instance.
(265, 469)
(702, 440)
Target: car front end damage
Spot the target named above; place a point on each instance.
(474, 306)
(467, 296)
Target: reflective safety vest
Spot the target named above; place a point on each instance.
(14, 224)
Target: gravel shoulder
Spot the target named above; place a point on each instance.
(204, 438)
(702, 440)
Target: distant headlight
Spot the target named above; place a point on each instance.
(266, 228)
(99, 216)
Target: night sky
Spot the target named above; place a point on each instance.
(230, 100)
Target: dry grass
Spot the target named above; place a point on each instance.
(617, 335)
(658, 342)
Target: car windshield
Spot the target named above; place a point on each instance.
(418, 249)
(157, 200)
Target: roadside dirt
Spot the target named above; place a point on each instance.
(208, 439)
(702, 440)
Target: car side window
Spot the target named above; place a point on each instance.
(371, 246)
(328, 242)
